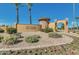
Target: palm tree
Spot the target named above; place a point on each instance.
(77, 18)
(17, 14)
(73, 16)
(29, 12)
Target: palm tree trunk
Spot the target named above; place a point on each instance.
(77, 23)
(73, 17)
(17, 19)
(30, 15)
(29, 12)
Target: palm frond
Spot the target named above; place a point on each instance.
(29, 5)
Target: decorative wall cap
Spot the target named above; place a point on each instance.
(45, 19)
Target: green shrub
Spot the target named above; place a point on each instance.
(9, 40)
(32, 39)
(11, 30)
(1, 30)
(18, 35)
(1, 37)
(37, 36)
(54, 35)
(47, 30)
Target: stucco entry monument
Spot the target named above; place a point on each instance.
(44, 22)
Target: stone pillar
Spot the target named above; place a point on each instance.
(66, 28)
(66, 25)
(44, 22)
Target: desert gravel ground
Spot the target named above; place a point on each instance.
(44, 41)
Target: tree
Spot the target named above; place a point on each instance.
(77, 18)
(17, 13)
(29, 12)
(17, 19)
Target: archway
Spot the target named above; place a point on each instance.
(60, 27)
(65, 24)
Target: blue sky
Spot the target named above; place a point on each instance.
(48, 10)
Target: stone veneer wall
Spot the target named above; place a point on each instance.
(28, 28)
